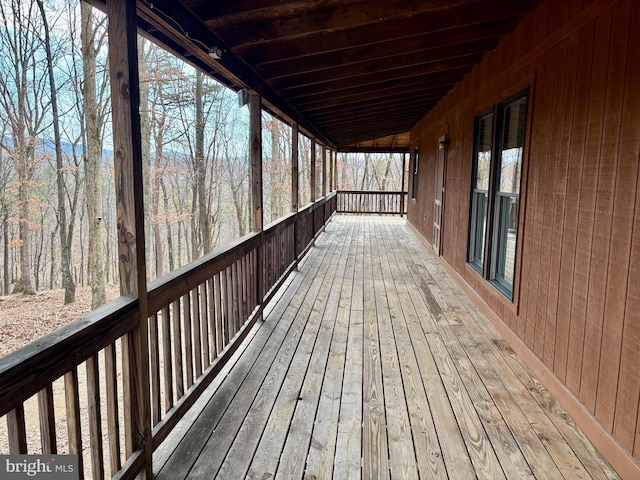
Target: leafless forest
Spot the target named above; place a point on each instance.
(57, 206)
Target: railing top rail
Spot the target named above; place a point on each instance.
(25, 372)
(387, 192)
(33, 367)
(174, 285)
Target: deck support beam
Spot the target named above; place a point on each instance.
(125, 102)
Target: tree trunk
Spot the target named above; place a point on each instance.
(165, 199)
(24, 284)
(159, 255)
(65, 250)
(274, 176)
(5, 250)
(145, 133)
(93, 161)
(203, 207)
(52, 267)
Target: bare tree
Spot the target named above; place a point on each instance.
(93, 160)
(21, 98)
(236, 175)
(6, 177)
(65, 249)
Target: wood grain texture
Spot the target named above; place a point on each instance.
(317, 390)
(113, 423)
(17, 431)
(95, 418)
(628, 398)
(72, 410)
(604, 205)
(47, 421)
(576, 289)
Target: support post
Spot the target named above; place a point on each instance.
(402, 188)
(313, 171)
(125, 102)
(295, 193)
(255, 149)
(331, 157)
(324, 171)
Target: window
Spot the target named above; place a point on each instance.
(480, 189)
(495, 192)
(414, 182)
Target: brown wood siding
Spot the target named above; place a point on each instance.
(577, 289)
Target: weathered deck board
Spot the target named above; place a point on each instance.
(373, 364)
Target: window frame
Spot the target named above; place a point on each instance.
(414, 179)
(499, 204)
(472, 252)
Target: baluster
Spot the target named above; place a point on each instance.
(225, 306)
(221, 334)
(154, 350)
(95, 422)
(166, 360)
(229, 294)
(212, 319)
(236, 303)
(177, 348)
(74, 429)
(47, 420)
(195, 316)
(113, 427)
(17, 431)
(188, 346)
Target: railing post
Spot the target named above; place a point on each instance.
(255, 139)
(125, 102)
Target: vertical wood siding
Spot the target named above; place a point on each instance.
(577, 291)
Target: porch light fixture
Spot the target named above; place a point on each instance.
(243, 97)
(215, 53)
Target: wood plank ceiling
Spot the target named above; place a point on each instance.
(358, 70)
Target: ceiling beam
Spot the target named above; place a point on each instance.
(453, 18)
(327, 19)
(426, 57)
(174, 19)
(311, 95)
(388, 48)
(357, 149)
(382, 95)
(367, 78)
(398, 101)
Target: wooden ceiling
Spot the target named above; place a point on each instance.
(349, 71)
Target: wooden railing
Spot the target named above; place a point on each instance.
(380, 202)
(198, 316)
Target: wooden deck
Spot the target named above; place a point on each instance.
(373, 364)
